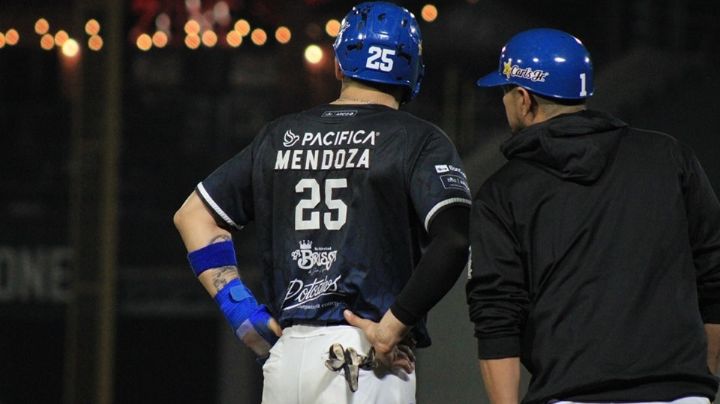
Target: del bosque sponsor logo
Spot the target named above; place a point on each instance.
(319, 259)
(299, 292)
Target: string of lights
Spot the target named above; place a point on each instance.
(210, 28)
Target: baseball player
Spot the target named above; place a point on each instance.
(596, 248)
(362, 214)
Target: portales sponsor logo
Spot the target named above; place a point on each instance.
(318, 259)
(510, 70)
(299, 292)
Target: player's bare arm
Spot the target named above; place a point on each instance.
(502, 379)
(199, 230)
(713, 338)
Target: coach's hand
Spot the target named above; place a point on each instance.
(385, 337)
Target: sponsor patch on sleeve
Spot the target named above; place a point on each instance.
(441, 168)
(454, 181)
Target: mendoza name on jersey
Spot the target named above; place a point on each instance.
(308, 158)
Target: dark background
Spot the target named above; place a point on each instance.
(97, 303)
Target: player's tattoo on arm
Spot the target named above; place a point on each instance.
(222, 276)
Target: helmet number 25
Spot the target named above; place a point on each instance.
(337, 205)
(379, 59)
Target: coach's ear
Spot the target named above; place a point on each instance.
(338, 73)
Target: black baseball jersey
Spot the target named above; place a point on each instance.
(342, 197)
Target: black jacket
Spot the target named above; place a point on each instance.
(596, 259)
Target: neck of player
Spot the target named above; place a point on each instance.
(353, 92)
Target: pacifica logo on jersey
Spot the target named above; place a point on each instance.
(331, 138)
(326, 156)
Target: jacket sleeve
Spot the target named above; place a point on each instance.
(703, 212)
(497, 293)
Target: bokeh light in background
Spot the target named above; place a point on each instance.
(163, 22)
(192, 41)
(234, 39)
(95, 43)
(192, 27)
(209, 38)
(209, 27)
(47, 42)
(313, 54)
(221, 13)
(332, 28)
(42, 26)
(70, 48)
(60, 38)
(429, 13)
(12, 37)
(242, 27)
(258, 36)
(92, 27)
(160, 39)
(283, 35)
(144, 42)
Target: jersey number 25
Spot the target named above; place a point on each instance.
(309, 204)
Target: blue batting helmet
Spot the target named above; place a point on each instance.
(380, 42)
(545, 61)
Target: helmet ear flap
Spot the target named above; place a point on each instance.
(381, 42)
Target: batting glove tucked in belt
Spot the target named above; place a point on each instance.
(350, 362)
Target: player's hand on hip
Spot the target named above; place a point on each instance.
(259, 332)
(385, 337)
(274, 326)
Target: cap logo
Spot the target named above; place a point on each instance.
(510, 70)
